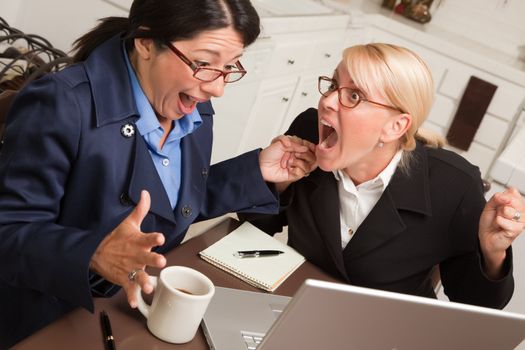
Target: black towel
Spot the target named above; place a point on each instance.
(472, 108)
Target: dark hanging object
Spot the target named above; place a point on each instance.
(26, 57)
(471, 109)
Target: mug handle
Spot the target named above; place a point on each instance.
(143, 307)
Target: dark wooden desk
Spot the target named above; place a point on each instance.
(80, 329)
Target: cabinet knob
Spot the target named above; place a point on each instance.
(304, 94)
(285, 99)
(291, 61)
(327, 55)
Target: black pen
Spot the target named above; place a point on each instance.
(109, 341)
(257, 253)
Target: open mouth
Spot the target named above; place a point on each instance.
(187, 103)
(328, 135)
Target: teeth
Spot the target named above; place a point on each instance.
(326, 123)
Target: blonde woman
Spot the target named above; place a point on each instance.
(387, 204)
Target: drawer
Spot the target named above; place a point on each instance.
(327, 54)
(291, 55)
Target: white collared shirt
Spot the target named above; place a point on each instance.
(356, 202)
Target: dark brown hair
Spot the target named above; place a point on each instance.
(171, 20)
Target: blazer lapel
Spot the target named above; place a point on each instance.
(408, 192)
(324, 202)
(382, 224)
(144, 176)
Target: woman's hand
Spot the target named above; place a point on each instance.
(128, 249)
(287, 159)
(502, 220)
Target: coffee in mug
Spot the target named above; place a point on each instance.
(181, 296)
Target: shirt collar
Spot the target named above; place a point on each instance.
(381, 181)
(148, 121)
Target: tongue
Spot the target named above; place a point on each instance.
(330, 141)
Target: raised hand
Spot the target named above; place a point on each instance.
(287, 159)
(127, 249)
(500, 223)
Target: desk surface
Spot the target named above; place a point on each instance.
(81, 330)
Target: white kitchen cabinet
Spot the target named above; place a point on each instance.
(233, 109)
(306, 95)
(269, 110)
(289, 84)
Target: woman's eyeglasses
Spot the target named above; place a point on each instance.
(348, 97)
(210, 74)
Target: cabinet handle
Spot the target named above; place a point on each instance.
(327, 55)
(304, 94)
(285, 99)
(291, 61)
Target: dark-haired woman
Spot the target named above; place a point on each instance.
(106, 163)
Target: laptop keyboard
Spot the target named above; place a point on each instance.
(252, 340)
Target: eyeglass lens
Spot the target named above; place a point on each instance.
(347, 97)
(210, 74)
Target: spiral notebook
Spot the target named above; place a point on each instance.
(266, 272)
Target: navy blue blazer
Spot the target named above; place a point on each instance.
(68, 176)
(427, 216)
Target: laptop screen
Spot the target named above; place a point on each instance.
(325, 315)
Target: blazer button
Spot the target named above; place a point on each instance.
(186, 211)
(124, 199)
(204, 172)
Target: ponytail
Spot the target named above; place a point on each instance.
(107, 28)
(430, 139)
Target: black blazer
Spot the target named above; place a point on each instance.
(425, 218)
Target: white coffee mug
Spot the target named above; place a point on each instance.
(181, 297)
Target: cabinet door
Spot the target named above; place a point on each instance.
(268, 113)
(233, 109)
(327, 53)
(291, 54)
(305, 96)
(232, 112)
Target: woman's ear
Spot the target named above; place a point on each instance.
(396, 127)
(144, 47)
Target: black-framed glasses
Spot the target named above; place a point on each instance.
(348, 96)
(210, 74)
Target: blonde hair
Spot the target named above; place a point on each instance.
(404, 81)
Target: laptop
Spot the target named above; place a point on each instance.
(325, 315)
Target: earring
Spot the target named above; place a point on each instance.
(380, 144)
